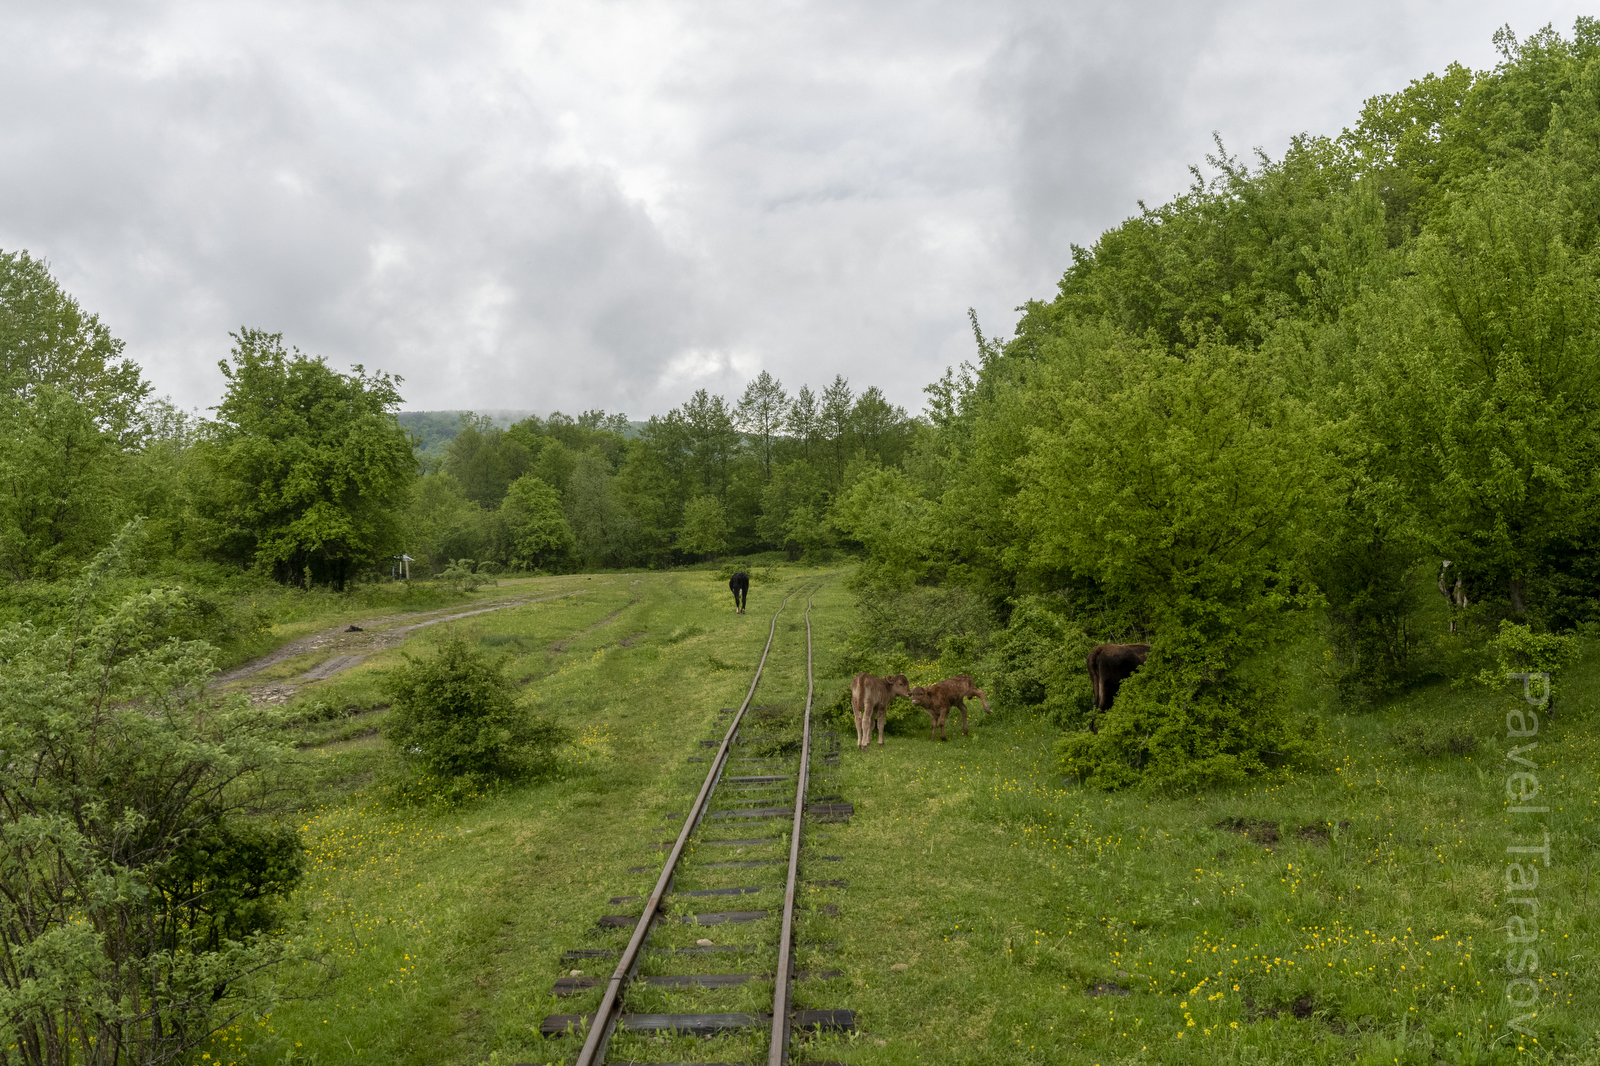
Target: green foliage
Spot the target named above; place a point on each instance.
(127, 939)
(465, 576)
(884, 513)
(540, 538)
(604, 531)
(1039, 661)
(69, 414)
(705, 527)
(1179, 724)
(310, 468)
(444, 525)
(456, 715)
(1517, 649)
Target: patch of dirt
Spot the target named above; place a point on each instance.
(1263, 833)
(1317, 834)
(350, 648)
(1107, 988)
(1301, 1009)
(630, 641)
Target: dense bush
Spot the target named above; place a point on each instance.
(456, 714)
(138, 895)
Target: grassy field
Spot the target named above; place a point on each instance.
(1356, 914)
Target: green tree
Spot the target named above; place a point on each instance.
(47, 340)
(540, 537)
(884, 512)
(485, 459)
(804, 420)
(311, 468)
(705, 527)
(140, 884)
(602, 528)
(792, 509)
(1184, 489)
(443, 525)
(761, 414)
(833, 423)
(69, 416)
(879, 428)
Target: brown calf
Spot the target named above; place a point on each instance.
(938, 699)
(870, 698)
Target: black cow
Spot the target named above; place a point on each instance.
(1109, 666)
(739, 585)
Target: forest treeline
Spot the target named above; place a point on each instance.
(305, 474)
(1284, 398)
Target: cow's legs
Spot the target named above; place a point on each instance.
(861, 727)
(962, 704)
(883, 717)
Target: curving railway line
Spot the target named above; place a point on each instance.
(778, 792)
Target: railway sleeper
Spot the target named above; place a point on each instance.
(628, 921)
(828, 1021)
(572, 986)
(579, 954)
(742, 890)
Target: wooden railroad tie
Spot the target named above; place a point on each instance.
(827, 1021)
(572, 986)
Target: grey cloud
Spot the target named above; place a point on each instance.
(590, 204)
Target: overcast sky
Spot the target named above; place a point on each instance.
(577, 204)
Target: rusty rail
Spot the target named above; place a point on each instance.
(778, 1049)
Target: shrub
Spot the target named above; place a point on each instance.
(461, 576)
(1517, 649)
(136, 896)
(456, 714)
(1177, 725)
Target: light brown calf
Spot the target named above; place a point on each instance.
(869, 699)
(938, 699)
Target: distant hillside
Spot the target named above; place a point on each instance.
(435, 429)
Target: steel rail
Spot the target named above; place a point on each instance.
(778, 1049)
(610, 1010)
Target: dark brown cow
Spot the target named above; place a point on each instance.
(870, 698)
(938, 699)
(1109, 666)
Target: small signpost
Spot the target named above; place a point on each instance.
(400, 569)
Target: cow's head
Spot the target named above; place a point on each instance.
(898, 685)
(919, 696)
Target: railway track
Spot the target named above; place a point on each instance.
(731, 800)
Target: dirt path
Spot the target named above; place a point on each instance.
(352, 648)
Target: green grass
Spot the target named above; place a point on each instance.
(1371, 930)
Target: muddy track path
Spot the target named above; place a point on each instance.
(347, 648)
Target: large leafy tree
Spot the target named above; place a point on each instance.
(535, 525)
(311, 469)
(70, 408)
(1185, 489)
